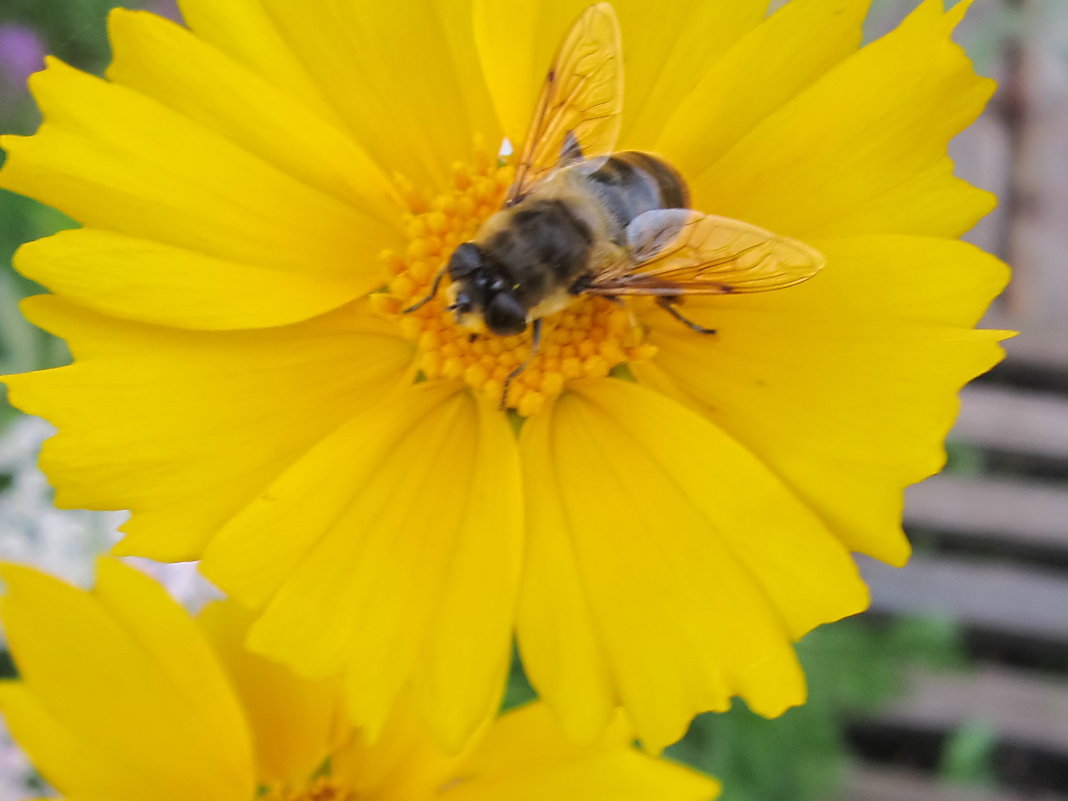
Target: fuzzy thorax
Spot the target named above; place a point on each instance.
(585, 339)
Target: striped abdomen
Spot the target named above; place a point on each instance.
(631, 182)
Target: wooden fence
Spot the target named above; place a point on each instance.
(994, 539)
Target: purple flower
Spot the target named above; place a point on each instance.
(21, 54)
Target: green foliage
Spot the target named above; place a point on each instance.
(22, 346)
(965, 460)
(519, 690)
(853, 667)
(73, 30)
(968, 756)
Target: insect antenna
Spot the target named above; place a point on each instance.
(433, 291)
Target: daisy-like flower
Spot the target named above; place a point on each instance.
(161, 706)
(662, 512)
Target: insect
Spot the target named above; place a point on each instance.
(580, 219)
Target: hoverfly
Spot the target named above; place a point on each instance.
(581, 219)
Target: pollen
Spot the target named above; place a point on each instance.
(585, 340)
(320, 789)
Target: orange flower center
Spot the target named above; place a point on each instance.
(322, 789)
(585, 340)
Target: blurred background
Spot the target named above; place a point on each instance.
(955, 686)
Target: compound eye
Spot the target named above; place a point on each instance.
(465, 260)
(505, 315)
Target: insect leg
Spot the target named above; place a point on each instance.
(535, 345)
(433, 291)
(667, 303)
(582, 283)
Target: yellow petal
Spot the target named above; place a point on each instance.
(184, 428)
(698, 565)
(166, 62)
(403, 761)
(294, 722)
(391, 551)
(845, 386)
(244, 30)
(521, 755)
(525, 757)
(404, 77)
(933, 202)
(145, 698)
(67, 760)
(559, 638)
(112, 158)
(875, 122)
(138, 279)
(667, 47)
(891, 278)
(762, 71)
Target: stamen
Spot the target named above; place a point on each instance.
(321, 789)
(585, 340)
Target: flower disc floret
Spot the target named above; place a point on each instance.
(171, 708)
(586, 340)
(321, 789)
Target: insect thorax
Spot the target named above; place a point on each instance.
(545, 245)
(554, 236)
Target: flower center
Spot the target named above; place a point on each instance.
(585, 340)
(321, 789)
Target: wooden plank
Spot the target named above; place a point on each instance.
(882, 784)
(1042, 347)
(1013, 420)
(1014, 511)
(1039, 237)
(987, 596)
(983, 156)
(1020, 708)
(983, 153)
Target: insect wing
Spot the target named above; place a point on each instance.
(681, 251)
(579, 108)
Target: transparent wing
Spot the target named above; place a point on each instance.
(681, 251)
(578, 111)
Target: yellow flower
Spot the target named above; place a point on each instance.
(654, 544)
(124, 697)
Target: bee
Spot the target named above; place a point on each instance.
(581, 219)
